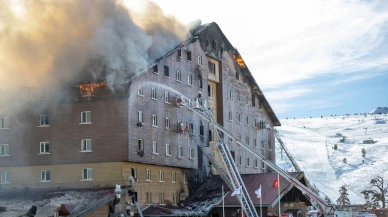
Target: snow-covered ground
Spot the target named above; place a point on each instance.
(311, 140)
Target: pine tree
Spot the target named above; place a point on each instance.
(343, 198)
(344, 160)
(327, 199)
(363, 152)
(376, 192)
(335, 147)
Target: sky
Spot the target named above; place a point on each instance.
(310, 57)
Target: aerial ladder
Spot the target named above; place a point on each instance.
(283, 146)
(231, 168)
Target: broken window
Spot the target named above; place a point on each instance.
(166, 72)
(212, 68)
(188, 55)
(179, 54)
(253, 101)
(237, 76)
(156, 69)
(133, 172)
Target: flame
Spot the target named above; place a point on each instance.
(87, 90)
(240, 62)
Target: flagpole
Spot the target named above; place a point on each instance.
(279, 194)
(223, 204)
(261, 206)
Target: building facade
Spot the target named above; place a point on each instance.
(98, 138)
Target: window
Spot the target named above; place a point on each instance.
(45, 175)
(188, 55)
(269, 146)
(4, 123)
(133, 172)
(229, 94)
(166, 97)
(166, 72)
(255, 142)
(238, 118)
(168, 153)
(4, 178)
(259, 105)
(148, 175)
(161, 198)
(230, 116)
(248, 162)
(148, 198)
(230, 140)
(210, 91)
(178, 76)
(184, 177)
(246, 100)
(154, 147)
(86, 145)
(4, 151)
(256, 163)
(179, 56)
(174, 200)
(211, 139)
(156, 69)
(237, 97)
(140, 146)
(190, 80)
(239, 160)
(191, 153)
(253, 101)
(161, 176)
(87, 174)
(247, 120)
(180, 151)
(228, 72)
(237, 76)
(173, 177)
(44, 120)
(247, 140)
(212, 68)
(44, 148)
(140, 117)
(86, 117)
(154, 120)
(262, 144)
(153, 93)
(254, 123)
(200, 60)
(200, 82)
(167, 123)
(140, 90)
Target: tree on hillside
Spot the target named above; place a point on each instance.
(376, 192)
(344, 160)
(327, 199)
(343, 198)
(363, 152)
(335, 147)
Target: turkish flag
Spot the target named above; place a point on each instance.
(275, 183)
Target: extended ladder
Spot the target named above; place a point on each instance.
(293, 162)
(232, 170)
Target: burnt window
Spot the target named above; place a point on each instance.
(214, 44)
(156, 69)
(179, 54)
(166, 72)
(237, 76)
(253, 101)
(201, 128)
(188, 55)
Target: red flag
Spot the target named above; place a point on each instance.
(275, 183)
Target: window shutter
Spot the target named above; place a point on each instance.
(88, 116)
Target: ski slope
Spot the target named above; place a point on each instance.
(311, 140)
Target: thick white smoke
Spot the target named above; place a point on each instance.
(46, 43)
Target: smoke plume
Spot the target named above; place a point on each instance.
(46, 43)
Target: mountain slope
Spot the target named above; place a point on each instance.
(311, 142)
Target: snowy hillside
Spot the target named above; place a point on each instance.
(380, 110)
(311, 142)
